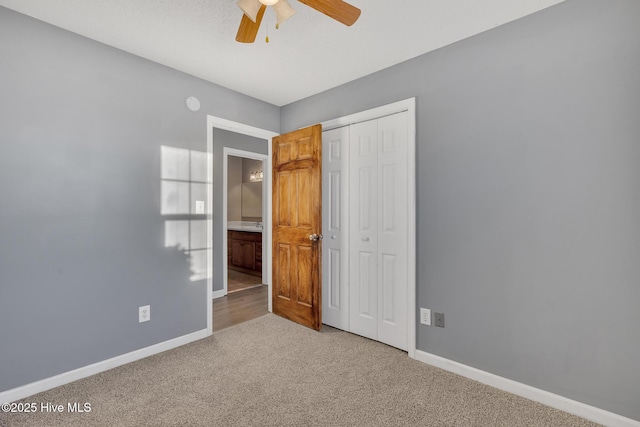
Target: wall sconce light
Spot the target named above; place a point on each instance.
(256, 176)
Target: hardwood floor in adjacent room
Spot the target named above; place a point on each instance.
(239, 307)
(239, 281)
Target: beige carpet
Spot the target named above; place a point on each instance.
(271, 372)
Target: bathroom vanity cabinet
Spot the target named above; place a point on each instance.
(244, 251)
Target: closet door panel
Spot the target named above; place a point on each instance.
(363, 226)
(392, 230)
(335, 256)
(365, 288)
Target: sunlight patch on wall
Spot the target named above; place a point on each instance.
(183, 184)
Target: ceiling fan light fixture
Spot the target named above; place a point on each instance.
(283, 10)
(254, 10)
(250, 8)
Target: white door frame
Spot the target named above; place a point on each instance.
(408, 105)
(241, 128)
(266, 190)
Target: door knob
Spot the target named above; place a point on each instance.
(365, 239)
(315, 237)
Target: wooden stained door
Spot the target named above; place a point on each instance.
(297, 224)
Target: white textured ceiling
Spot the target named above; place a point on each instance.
(310, 52)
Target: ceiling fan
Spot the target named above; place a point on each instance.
(253, 10)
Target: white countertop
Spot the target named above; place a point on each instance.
(250, 226)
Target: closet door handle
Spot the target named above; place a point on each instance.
(365, 239)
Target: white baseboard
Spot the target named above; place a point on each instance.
(219, 294)
(554, 400)
(95, 368)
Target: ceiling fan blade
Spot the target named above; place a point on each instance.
(248, 29)
(339, 10)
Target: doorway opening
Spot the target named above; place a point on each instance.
(246, 212)
(237, 140)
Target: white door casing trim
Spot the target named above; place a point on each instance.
(408, 105)
(267, 135)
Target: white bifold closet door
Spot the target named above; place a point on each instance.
(368, 229)
(335, 257)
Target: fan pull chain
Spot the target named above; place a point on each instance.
(267, 39)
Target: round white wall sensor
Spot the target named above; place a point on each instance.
(193, 104)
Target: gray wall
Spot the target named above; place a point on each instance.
(81, 235)
(223, 138)
(528, 186)
(234, 188)
(249, 166)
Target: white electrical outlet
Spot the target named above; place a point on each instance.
(144, 313)
(425, 316)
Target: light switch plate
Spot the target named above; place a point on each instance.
(199, 206)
